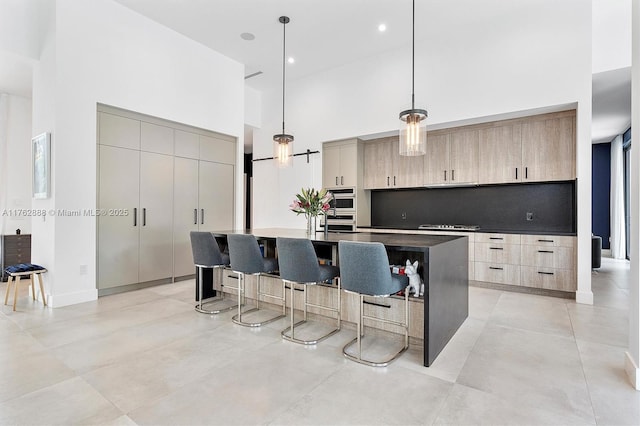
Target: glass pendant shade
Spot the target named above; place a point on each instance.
(413, 135)
(283, 149)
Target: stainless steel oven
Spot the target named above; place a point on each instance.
(342, 215)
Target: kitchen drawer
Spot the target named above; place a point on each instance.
(548, 256)
(549, 278)
(501, 273)
(497, 253)
(549, 240)
(497, 238)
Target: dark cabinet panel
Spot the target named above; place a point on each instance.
(15, 249)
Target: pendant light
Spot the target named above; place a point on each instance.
(283, 143)
(413, 135)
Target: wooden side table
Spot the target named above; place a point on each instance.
(16, 277)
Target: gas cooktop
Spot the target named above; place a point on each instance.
(449, 227)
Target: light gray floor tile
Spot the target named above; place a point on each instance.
(468, 406)
(527, 367)
(70, 402)
(482, 301)
(615, 402)
(601, 325)
(534, 313)
(357, 394)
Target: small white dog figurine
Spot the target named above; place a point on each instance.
(415, 283)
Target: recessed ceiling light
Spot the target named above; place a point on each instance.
(291, 60)
(247, 36)
(382, 28)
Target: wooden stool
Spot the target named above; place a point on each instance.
(15, 277)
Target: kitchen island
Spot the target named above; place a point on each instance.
(442, 259)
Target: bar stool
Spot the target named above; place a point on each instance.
(23, 270)
(364, 270)
(299, 266)
(206, 254)
(247, 259)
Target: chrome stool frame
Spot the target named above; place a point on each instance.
(237, 318)
(360, 332)
(200, 306)
(291, 337)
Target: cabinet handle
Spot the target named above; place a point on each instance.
(341, 180)
(496, 248)
(497, 269)
(336, 180)
(445, 175)
(394, 181)
(526, 173)
(144, 216)
(516, 173)
(135, 216)
(545, 273)
(545, 251)
(201, 216)
(496, 238)
(387, 180)
(376, 304)
(545, 241)
(195, 216)
(453, 175)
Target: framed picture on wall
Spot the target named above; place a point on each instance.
(41, 159)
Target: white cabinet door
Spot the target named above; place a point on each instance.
(349, 165)
(185, 214)
(156, 216)
(215, 195)
(155, 138)
(118, 234)
(330, 166)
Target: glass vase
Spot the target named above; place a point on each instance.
(311, 226)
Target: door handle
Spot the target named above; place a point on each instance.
(135, 216)
(201, 216)
(144, 216)
(195, 216)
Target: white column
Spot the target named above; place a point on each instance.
(632, 356)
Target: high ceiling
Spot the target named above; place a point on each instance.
(325, 34)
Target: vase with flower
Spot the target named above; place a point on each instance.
(311, 203)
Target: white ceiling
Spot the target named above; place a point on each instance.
(324, 34)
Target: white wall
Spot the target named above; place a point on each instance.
(106, 53)
(525, 61)
(15, 164)
(611, 35)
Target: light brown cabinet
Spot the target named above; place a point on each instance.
(340, 164)
(384, 167)
(533, 149)
(452, 157)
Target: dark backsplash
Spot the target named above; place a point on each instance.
(494, 208)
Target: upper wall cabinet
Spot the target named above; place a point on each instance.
(384, 167)
(533, 149)
(340, 163)
(452, 157)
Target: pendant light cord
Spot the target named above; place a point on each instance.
(284, 43)
(413, 55)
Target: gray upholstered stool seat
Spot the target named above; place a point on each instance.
(246, 258)
(206, 254)
(299, 266)
(364, 270)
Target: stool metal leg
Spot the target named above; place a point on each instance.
(291, 337)
(360, 335)
(200, 306)
(237, 319)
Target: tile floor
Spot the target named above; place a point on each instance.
(148, 358)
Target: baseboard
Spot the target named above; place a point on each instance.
(633, 372)
(584, 297)
(66, 299)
